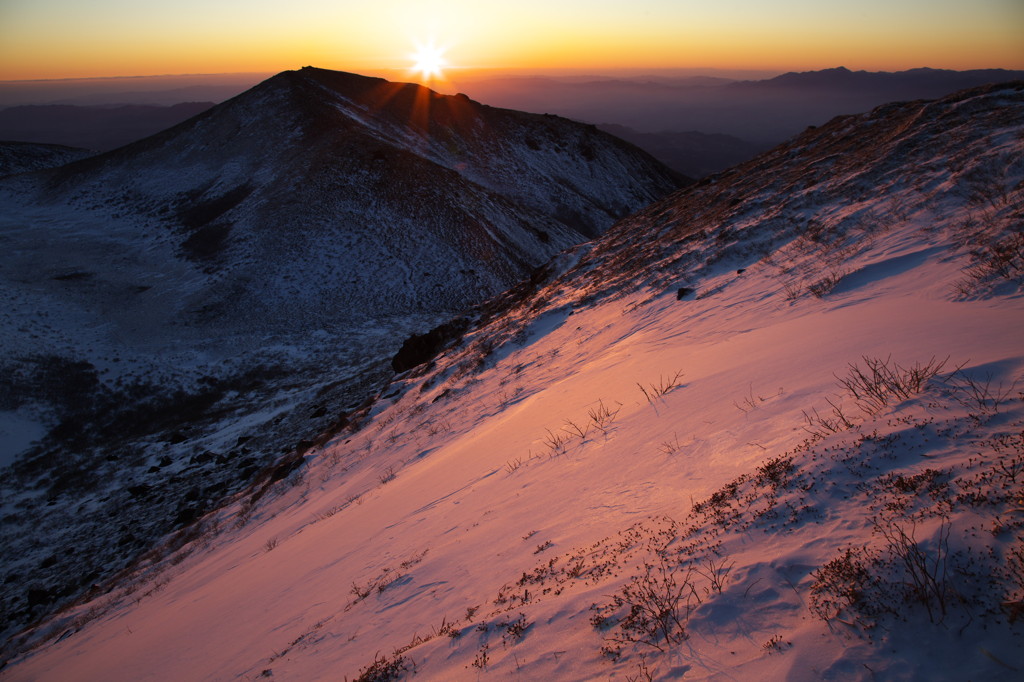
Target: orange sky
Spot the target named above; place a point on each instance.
(71, 38)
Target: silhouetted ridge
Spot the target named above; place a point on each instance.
(922, 82)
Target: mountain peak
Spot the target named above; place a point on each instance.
(343, 82)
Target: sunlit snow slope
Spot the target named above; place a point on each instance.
(768, 428)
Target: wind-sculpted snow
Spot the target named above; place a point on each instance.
(180, 312)
(767, 428)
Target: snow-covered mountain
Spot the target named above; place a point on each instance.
(179, 312)
(769, 427)
(388, 196)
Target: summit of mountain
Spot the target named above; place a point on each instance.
(316, 198)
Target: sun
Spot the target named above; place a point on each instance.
(429, 61)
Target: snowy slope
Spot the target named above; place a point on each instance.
(178, 313)
(670, 458)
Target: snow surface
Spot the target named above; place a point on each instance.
(610, 427)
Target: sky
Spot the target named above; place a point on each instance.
(44, 39)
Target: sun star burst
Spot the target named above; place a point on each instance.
(429, 61)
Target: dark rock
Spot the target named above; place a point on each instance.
(176, 437)
(281, 471)
(37, 597)
(186, 516)
(421, 348)
(203, 457)
(138, 491)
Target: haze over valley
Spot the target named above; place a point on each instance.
(696, 125)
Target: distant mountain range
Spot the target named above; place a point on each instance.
(164, 90)
(763, 112)
(99, 128)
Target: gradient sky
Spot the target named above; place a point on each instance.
(83, 38)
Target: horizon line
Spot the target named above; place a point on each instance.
(575, 71)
